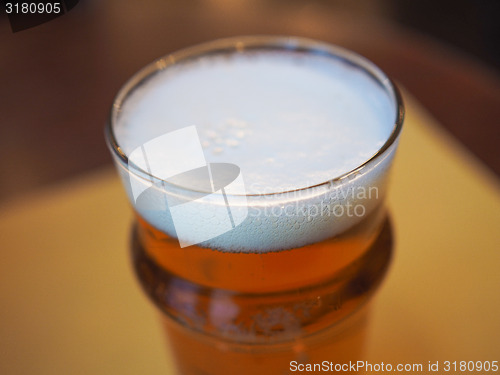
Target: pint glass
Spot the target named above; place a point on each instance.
(257, 169)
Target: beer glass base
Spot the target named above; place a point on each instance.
(196, 354)
(221, 331)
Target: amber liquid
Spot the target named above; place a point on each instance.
(261, 313)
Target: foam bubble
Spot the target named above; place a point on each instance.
(288, 120)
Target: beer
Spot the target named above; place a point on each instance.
(224, 331)
(257, 168)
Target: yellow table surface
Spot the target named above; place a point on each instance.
(69, 303)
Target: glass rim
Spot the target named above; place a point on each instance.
(248, 43)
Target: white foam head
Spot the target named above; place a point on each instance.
(289, 120)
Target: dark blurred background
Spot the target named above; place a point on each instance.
(58, 79)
